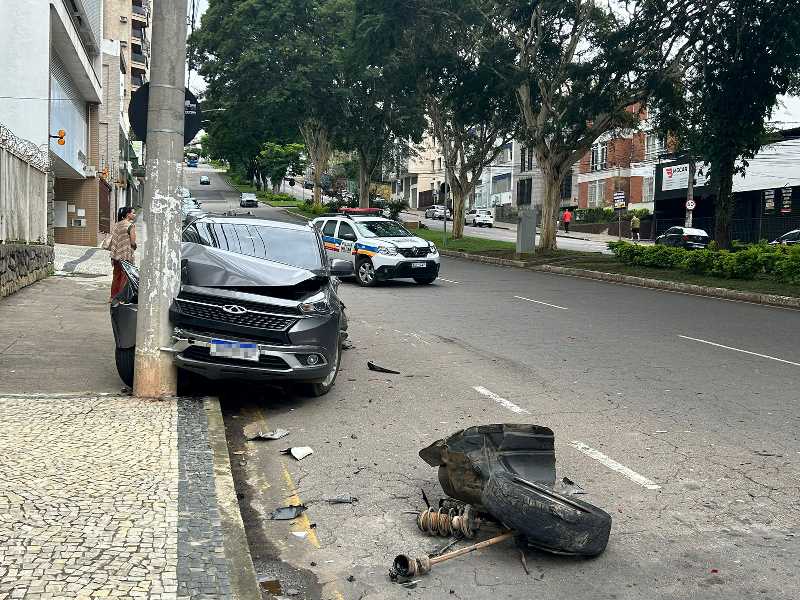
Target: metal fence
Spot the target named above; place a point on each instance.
(23, 189)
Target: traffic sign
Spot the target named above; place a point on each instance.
(619, 199)
(691, 205)
(137, 113)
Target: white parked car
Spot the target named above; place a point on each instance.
(479, 217)
(438, 211)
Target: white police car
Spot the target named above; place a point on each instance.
(379, 248)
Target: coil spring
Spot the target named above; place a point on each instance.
(447, 523)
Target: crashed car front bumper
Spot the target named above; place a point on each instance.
(193, 353)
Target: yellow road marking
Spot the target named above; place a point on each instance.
(301, 523)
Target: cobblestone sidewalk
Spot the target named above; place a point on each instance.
(109, 497)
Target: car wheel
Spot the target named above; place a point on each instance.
(424, 280)
(320, 388)
(490, 225)
(365, 272)
(125, 358)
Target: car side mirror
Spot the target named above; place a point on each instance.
(341, 268)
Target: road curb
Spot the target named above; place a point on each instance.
(659, 284)
(244, 583)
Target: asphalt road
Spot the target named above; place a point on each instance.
(677, 414)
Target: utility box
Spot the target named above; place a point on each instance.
(526, 229)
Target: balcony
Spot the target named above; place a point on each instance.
(140, 14)
(137, 81)
(138, 61)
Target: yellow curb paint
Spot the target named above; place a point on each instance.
(301, 523)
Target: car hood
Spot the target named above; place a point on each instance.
(205, 266)
(404, 242)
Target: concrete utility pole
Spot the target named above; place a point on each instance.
(690, 193)
(155, 373)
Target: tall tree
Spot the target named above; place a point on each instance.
(275, 160)
(747, 53)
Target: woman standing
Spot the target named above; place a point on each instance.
(123, 244)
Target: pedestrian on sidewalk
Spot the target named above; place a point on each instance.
(567, 218)
(635, 224)
(123, 245)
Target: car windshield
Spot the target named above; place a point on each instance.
(297, 248)
(382, 229)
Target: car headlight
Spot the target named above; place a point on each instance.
(388, 250)
(432, 247)
(316, 305)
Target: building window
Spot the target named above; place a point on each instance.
(522, 158)
(653, 145)
(440, 163)
(566, 186)
(599, 156)
(501, 183)
(433, 165)
(597, 192)
(647, 189)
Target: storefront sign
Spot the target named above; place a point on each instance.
(786, 200)
(769, 200)
(677, 177)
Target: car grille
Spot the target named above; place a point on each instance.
(252, 315)
(416, 252)
(204, 354)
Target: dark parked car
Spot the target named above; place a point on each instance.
(684, 237)
(258, 301)
(789, 239)
(248, 199)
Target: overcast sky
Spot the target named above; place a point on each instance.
(786, 115)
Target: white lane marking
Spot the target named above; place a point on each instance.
(540, 302)
(501, 401)
(788, 362)
(447, 280)
(615, 466)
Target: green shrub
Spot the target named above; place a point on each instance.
(699, 262)
(626, 252)
(662, 257)
(279, 197)
(787, 266)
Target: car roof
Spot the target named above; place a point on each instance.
(692, 231)
(788, 232)
(253, 220)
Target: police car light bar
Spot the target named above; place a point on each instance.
(360, 211)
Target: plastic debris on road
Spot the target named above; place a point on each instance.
(299, 452)
(253, 431)
(379, 369)
(341, 500)
(287, 513)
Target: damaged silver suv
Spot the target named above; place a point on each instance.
(258, 301)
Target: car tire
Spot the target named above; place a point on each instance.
(424, 280)
(125, 358)
(315, 389)
(490, 225)
(365, 273)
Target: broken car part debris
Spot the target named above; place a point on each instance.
(406, 566)
(299, 452)
(373, 367)
(341, 500)
(253, 431)
(449, 522)
(287, 513)
(508, 471)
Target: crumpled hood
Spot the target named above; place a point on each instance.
(205, 266)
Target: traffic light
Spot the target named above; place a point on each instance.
(60, 137)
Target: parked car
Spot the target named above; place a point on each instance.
(248, 199)
(258, 301)
(438, 211)
(788, 239)
(378, 248)
(684, 237)
(205, 180)
(479, 217)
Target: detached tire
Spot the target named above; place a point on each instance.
(125, 358)
(546, 519)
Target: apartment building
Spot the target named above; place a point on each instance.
(126, 62)
(621, 161)
(50, 51)
(420, 175)
(496, 185)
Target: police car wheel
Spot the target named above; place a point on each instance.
(365, 273)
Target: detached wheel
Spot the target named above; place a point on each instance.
(125, 358)
(365, 273)
(317, 389)
(424, 280)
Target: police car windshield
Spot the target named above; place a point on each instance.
(382, 229)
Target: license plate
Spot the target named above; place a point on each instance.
(420, 265)
(239, 350)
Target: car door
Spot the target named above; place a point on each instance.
(671, 236)
(347, 239)
(329, 238)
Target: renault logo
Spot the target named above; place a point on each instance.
(234, 309)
